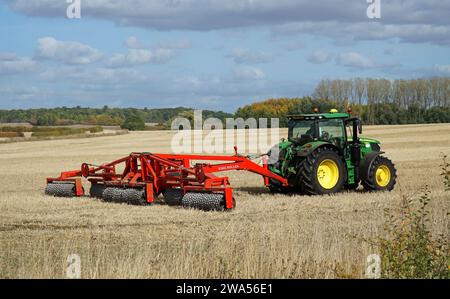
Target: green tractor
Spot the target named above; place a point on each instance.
(324, 154)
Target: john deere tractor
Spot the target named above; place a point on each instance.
(325, 154)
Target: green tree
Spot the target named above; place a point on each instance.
(133, 123)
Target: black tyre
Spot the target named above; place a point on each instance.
(173, 197)
(322, 172)
(382, 175)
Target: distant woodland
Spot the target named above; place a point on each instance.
(376, 101)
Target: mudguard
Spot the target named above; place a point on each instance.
(366, 162)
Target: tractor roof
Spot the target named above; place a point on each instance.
(331, 115)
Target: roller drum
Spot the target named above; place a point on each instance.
(124, 195)
(204, 201)
(60, 189)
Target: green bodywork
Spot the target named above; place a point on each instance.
(292, 151)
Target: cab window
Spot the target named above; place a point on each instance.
(299, 128)
(332, 130)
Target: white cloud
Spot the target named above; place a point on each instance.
(242, 56)
(248, 73)
(138, 53)
(99, 75)
(133, 43)
(367, 31)
(320, 56)
(68, 52)
(12, 64)
(408, 20)
(354, 60)
(140, 56)
(442, 68)
(175, 45)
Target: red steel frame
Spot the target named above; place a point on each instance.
(158, 172)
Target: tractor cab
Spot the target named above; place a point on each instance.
(327, 127)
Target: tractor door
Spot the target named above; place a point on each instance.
(333, 131)
(354, 128)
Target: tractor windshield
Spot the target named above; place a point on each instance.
(332, 130)
(328, 130)
(299, 128)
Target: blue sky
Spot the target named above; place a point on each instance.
(209, 54)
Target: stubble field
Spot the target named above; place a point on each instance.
(266, 236)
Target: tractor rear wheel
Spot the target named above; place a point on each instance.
(382, 175)
(322, 172)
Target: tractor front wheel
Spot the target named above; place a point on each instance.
(381, 176)
(322, 172)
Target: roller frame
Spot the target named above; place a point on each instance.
(155, 173)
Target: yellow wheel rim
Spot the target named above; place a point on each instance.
(383, 176)
(328, 174)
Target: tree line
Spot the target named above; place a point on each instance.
(98, 116)
(383, 101)
(376, 101)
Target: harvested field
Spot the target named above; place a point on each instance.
(266, 236)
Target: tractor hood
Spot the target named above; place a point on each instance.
(365, 140)
(368, 140)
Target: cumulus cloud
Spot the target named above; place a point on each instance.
(175, 45)
(320, 56)
(195, 14)
(408, 20)
(68, 52)
(347, 59)
(442, 68)
(133, 43)
(138, 53)
(139, 57)
(354, 60)
(369, 31)
(98, 75)
(241, 56)
(248, 73)
(12, 64)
